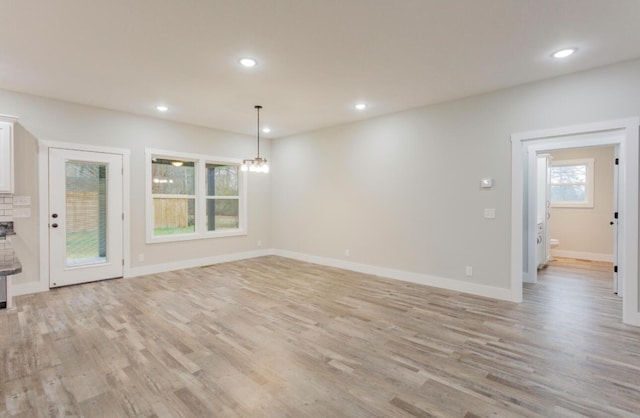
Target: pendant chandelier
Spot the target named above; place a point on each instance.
(258, 164)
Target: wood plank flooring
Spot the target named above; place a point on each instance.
(273, 337)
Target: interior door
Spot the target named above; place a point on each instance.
(617, 284)
(85, 216)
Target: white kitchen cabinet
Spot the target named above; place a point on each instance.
(6, 154)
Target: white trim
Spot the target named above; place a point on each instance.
(43, 203)
(422, 279)
(197, 262)
(7, 178)
(19, 289)
(193, 236)
(582, 255)
(406, 276)
(43, 198)
(8, 118)
(200, 230)
(623, 132)
(9, 291)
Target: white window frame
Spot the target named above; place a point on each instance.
(589, 184)
(200, 162)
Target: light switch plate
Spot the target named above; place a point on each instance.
(489, 214)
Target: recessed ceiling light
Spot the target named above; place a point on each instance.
(162, 108)
(361, 106)
(248, 62)
(564, 53)
(266, 130)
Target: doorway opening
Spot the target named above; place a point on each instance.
(576, 202)
(84, 219)
(525, 147)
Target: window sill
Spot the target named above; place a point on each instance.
(194, 236)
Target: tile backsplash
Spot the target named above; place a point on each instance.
(6, 208)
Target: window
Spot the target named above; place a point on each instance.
(174, 196)
(223, 197)
(193, 197)
(571, 183)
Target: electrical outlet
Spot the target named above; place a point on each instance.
(141, 257)
(347, 253)
(469, 271)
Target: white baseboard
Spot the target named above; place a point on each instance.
(198, 262)
(581, 255)
(527, 278)
(407, 276)
(19, 289)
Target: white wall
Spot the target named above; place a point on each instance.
(585, 232)
(402, 191)
(41, 118)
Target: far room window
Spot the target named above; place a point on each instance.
(194, 196)
(571, 183)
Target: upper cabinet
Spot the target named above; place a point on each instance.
(6, 154)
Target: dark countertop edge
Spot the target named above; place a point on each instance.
(10, 272)
(10, 269)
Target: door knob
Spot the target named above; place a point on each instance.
(54, 225)
(55, 215)
(611, 223)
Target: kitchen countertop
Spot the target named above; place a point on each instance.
(9, 263)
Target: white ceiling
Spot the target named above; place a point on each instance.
(317, 58)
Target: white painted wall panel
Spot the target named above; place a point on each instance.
(402, 191)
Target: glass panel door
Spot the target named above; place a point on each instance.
(86, 210)
(85, 216)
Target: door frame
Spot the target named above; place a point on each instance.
(61, 273)
(43, 199)
(617, 285)
(623, 133)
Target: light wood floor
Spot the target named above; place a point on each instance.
(276, 337)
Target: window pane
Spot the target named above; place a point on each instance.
(174, 216)
(86, 206)
(568, 193)
(222, 180)
(172, 177)
(569, 174)
(222, 214)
